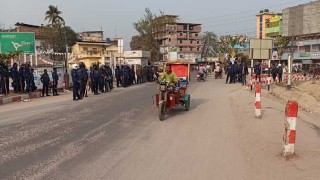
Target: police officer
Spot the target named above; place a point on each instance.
(83, 79)
(27, 76)
(103, 79)
(118, 73)
(229, 74)
(15, 78)
(33, 85)
(134, 81)
(55, 79)
(110, 76)
(257, 70)
(2, 79)
(22, 78)
(75, 82)
(45, 79)
(96, 74)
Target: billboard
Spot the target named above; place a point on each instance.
(261, 48)
(16, 41)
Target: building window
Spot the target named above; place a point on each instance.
(198, 42)
(94, 50)
(181, 34)
(180, 41)
(197, 35)
(85, 48)
(181, 49)
(191, 49)
(181, 56)
(191, 42)
(198, 49)
(261, 19)
(169, 39)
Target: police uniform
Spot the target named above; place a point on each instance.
(45, 79)
(76, 84)
(55, 79)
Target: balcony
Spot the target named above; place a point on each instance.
(273, 30)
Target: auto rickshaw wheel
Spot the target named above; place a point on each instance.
(187, 104)
(162, 111)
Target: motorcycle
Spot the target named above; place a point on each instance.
(201, 77)
(218, 75)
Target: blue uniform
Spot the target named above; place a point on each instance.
(16, 79)
(55, 79)
(76, 84)
(45, 79)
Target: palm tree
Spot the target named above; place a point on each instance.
(228, 44)
(210, 45)
(53, 16)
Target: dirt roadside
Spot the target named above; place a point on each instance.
(261, 139)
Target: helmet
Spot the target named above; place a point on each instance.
(75, 66)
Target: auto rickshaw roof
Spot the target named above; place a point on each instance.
(178, 62)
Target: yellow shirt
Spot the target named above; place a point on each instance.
(171, 78)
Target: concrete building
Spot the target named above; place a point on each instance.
(301, 19)
(182, 40)
(91, 48)
(274, 27)
(262, 21)
(137, 57)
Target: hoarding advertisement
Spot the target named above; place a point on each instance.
(15, 41)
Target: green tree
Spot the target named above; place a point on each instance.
(228, 44)
(281, 42)
(210, 45)
(136, 43)
(151, 28)
(53, 15)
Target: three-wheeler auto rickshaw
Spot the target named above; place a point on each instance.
(169, 97)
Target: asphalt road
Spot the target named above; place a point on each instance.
(119, 136)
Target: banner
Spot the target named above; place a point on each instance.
(15, 41)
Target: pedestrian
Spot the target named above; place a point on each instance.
(274, 72)
(45, 80)
(75, 82)
(102, 79)
(55, 80)
(109, 76)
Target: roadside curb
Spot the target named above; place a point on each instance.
(18, 98)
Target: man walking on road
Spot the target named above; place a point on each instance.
(75, 82)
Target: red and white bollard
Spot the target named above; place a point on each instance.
(290, 127)
(258, 100)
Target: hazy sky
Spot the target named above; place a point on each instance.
(116, 17)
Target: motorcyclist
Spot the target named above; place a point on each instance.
(217, 69)
(202, 71)
(170, 76)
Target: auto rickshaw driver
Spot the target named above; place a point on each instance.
(170, 77)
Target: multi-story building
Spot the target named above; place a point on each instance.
(302, 19)
(262, 22)
(91, 48)
(274, 26)
(181, 41)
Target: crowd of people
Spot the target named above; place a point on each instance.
(100, 79)
(237, 73)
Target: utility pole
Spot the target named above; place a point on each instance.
(290, 60)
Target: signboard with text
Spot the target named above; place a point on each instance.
(16, 41)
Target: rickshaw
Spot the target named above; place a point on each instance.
(169, 98)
